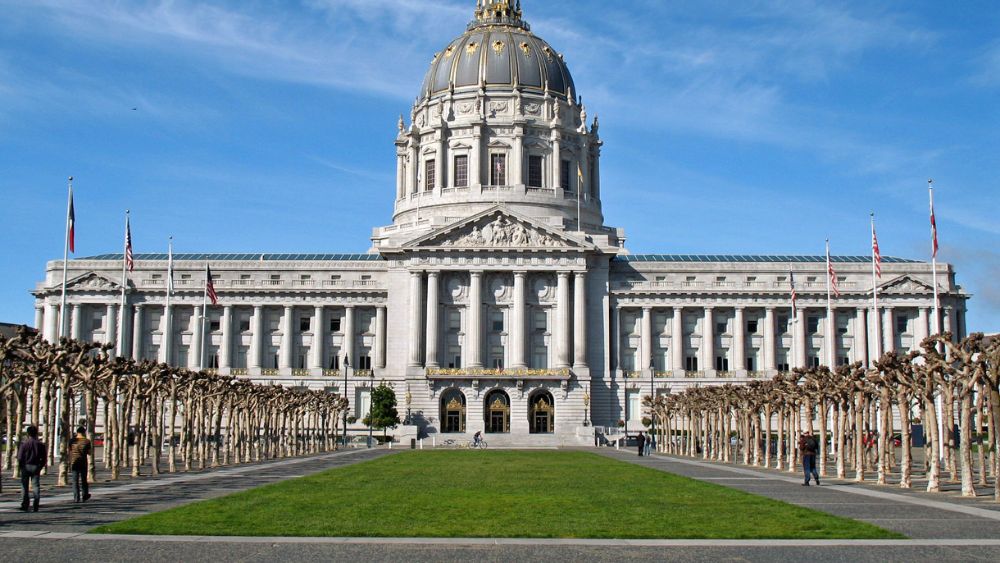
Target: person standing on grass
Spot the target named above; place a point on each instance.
(32, 457)
(79, 452)
(641, 440)
(808, 446)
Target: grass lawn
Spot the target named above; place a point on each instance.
(497, 494)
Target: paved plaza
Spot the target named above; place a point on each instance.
(943, 527)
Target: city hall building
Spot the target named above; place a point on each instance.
(498, 300)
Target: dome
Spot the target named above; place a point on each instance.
(498, 50)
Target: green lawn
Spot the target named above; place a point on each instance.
(550, 494)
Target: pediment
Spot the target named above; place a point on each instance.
(497, 228)
(92, 281)
(905, 285)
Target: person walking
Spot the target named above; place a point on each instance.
(809, 446)
(641, 440)
(79, 452)
(32, 457)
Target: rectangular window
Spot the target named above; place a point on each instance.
(752, 327)
(430, 174)
(335, 361)
(335, 324)
(691, 363)
(365, 362)
(243, 276)
(462, 171)
(534, 171)
(305, 323)
(275, 277)
(814, 361)
(498, 170)
(214, 325)
(721, 363)
(813, 325)
(564, 176)
(901, 324)
(783, 366)
(843, 361)
(721, 327)
(244, 325)
(96, 323)
(497, 320)
(750, 363)
(213, 361)
(188, 276)
(784, 325)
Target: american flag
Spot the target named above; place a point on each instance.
(876, 254)
(500, 180)
(791, 280)
(933, 224)
(210, 287)
(71, 221)
(170, 266)
(129, 259)
(831, 272)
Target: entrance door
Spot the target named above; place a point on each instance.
(453, 423)
(497, 425)
(541, 413)
(541, 425)
(497, 412)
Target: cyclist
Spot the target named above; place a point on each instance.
(476, 439)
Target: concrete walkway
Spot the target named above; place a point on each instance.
(911, 514)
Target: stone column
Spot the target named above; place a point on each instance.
(563, 322)
(111, 323)
(739, 341)
(400, 180)
(411, 177)
(888, 331)
(40, 319)
(584, 186)
(557, 163)
(287, 328)
(770, 341)
(517, 323)
(226, 346)
(801, 337)
(517, 159)
(76, 322)
(677, 339)
(475, 161)
(595, 175)
(708, 340)
(439, 164)
(580, 320)
(830, 338)
(197, 340)
(137, 332)
(416, 320)
(647, 339)
(51, 331)
(948, 321)
(167, 335)
(317, 354)
(923, 326)
(256, 360)
(474, 338)
(380, 337)
(433, 316)
(861, 336)
(349, 335)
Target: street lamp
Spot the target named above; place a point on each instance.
(347, 364)
(371, 397)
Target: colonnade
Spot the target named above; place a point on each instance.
(570, 319)
(132, 345)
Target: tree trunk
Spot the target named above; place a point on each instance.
(965, 445)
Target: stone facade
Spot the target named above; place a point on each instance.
(498, 300)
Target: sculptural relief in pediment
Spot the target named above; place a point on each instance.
(905, 285)
(92, 282)
(500, 232)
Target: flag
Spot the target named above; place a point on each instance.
(170, 267)
(500, 180)
(129, 258)
(210, 287)
(934, 239)
(791, 280)
(831, 271)
(876, 253)
(71, 222)
(579, 179)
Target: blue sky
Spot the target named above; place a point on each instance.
(742, 126)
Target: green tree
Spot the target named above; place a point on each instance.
(383, 411)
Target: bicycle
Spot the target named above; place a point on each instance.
(480, 446)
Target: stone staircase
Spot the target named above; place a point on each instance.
(512, 441)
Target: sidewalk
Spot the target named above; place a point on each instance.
(119, 501)
(916, 515)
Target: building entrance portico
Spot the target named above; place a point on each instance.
(453, 412)
(497, 412)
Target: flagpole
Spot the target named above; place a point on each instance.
(877, 322)
(937, 300)
(166, 302)
(579, 191)
(204, 315)
(62, 305)
(124, 305)
(829, 308)
(794, 322)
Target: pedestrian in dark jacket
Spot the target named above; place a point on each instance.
(641, 440)
(32, 457)
(809, 447)
(79, 452)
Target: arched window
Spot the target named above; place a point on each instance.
(453, 412)
(541, 413)
(497, 411)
